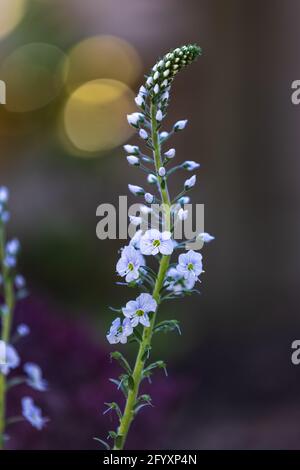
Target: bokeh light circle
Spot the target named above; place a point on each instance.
(35, 74)
(103, 57)
(95, 116)
(11, 13)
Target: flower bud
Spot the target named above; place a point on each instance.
(136, 190)
(180, 125)
(170, 153)
(190, 165)
(188, 184)
(132, 160)
(149, 198)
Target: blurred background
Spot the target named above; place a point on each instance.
(72, 69)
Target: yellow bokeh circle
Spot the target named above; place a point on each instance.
(95, 116)
(103, 57)
(11, 13)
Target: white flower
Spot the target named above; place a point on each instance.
(190, 165)
(23, 330)
(4, 194)
(159, 115)
(137, 310)
(139, 100)
(145, 210)
(132, 149)
(132, 160)
(143, 91)
(12, 360)
(149, 81)
(35, 377)
(143, 134)
(170, 153)
(151, 179)
(149, 198)
(189, 183)
(119, 332)
(156, 89)
(135, 241)
(176, 282)
(12, 247)
(135, 220)
(129, 263)
(182, 214)
(156, 76)
(180, 125)
(154, 242)
(136, 190)
(205, 237)
(134, 118)
(190, 265)
(163, 135)
(165, 95)
(33, 414)
(183, 200)
(162, 171)
(20, 282)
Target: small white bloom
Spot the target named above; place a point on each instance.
(189, 183)
(135, 241)
(154, 242)
(183, 200)
(12, 360)
(156, 76)
(135, 220)
(133, 160)
(163, 85)
(137, 310)
(165, 96)
(190, 165)
(159, 115)
(156, 89)
(190, 265)
(4, 194)
(134, 118)
(20, 282)
(146, 210)
(12, 247)
(139, 100)
(132, 149)
(143, 134)
(149, 81)
(143, 91)
(180, 125)
(166, 73)
(23, 330)
(206, 237)
(35, 377)
(33, 414)
(119, 331)
(163, 135)
(170, 153)
(182, 214)
(151, 179)
(162, 171)
(130, 262)
(136, 190)
(176, 282)
(149, 198)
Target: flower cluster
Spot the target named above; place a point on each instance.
(13, 288)
(169, 280)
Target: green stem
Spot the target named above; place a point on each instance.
(5, 329)
(145, 344)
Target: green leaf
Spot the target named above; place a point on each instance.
(112, 434)
(155, 365)
(105, 444)
(146, 353)
(114, 406)
(121, 360)
(166, 326)
(120, 385)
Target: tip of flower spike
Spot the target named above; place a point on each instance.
(164, 71)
